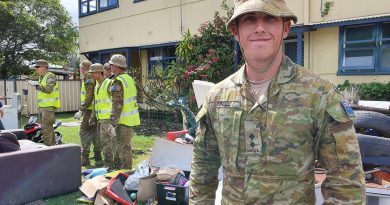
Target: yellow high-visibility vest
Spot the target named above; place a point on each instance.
(83, 94)
(130, 114)
(103, 102)
(49, 99)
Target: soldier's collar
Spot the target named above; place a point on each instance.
(286, 73)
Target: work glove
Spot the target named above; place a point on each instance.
(33, 82)
(111, 130)
(78, 115)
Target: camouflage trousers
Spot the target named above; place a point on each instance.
(47, 121)
(88, 136)
(106, 143)
(122, 147)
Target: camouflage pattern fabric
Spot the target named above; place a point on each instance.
(122, 147)
(88, 136)
(48, 113)
(47, 120)
(116, 92)
(50, 83)
(268, 148)
(106, 143)
(89, 84)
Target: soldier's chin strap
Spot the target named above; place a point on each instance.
(266, 68)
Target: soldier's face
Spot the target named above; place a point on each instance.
(41, 70)
(260, 35)
(115, 69)
(83, 70)
(107, 72)
(95, 75)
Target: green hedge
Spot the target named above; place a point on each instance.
(369, 91)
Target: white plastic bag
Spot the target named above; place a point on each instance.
(142, 171)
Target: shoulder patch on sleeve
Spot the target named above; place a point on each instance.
(340, 112)
(88, 81)
(113, 88)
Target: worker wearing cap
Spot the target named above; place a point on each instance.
(268, 122)
(103, 107)
(88, 127)
(107, 71)
(48, 99)
(124, 112)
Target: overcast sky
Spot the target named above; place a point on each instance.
(72, 7)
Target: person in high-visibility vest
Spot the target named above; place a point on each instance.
(88, 127)
(48, 99)
(107, 71)
(103, 110)
(124, 113)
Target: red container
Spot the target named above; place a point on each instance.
(122, 196)
(173, 135)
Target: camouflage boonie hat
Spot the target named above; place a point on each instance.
(85, 64)
(96, 67)
(118, 60)
(41, 62)
(106, 66)
(271, 7)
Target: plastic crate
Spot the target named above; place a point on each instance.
(168, 194)
(116, 190)
(173, 135)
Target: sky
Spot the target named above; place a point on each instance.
(72, 7)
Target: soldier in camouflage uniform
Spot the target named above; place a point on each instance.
(268, 122)
(103, 107)
(88, 129)
(107, 71)
(48, 99)
(124, 112)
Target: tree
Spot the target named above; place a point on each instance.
(207, 55)
(34, 29)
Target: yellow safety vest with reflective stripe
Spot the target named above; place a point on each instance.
(103, 102)
(129, 115)
(83, 94)
(49, 99)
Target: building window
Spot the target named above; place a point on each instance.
(107, 4)
(290, 47)
(160, 57)
(365, 49)
(88, 7)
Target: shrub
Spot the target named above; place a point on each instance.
(369, 91)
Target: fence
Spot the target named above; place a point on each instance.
(69, 94)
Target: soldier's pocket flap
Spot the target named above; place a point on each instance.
(337, 112)
(347, 147)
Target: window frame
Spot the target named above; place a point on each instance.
(377, 45)
(98, 7)
(108, 7)
(163, 61)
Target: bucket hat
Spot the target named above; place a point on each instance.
(96, 67)
(271, 7)
(41, 63)
(118, 60)
(85, 64)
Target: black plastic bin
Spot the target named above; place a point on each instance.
(168, 194)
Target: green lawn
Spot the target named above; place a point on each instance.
(140, 145)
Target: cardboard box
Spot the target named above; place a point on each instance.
(201, 88)
(91, 186)
(165, 153)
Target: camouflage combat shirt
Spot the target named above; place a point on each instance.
(50, 83)
(268, 148)
(89, 85)
(116, 91)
